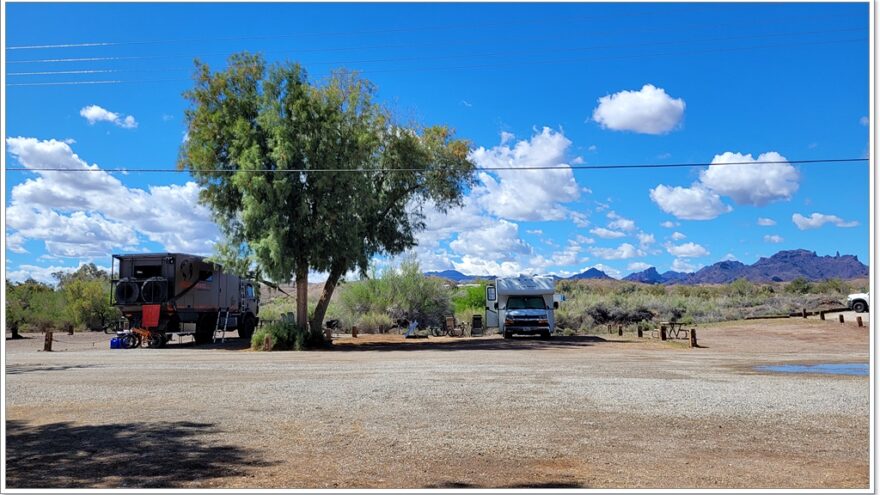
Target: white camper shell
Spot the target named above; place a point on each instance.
(522, 305)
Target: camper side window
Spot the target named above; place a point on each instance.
(249, 291)
(206, 275)
(490, 293)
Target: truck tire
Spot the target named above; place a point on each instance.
(205, 327)
(507, 335)
(860, 306)
(545, 335)
(246, 329)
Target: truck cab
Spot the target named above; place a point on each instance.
(523, 305)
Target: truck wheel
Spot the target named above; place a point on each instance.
(205, 328)
(545, 334)
(507, 335)
(246, 329)
(860, 306)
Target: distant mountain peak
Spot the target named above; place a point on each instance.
(592, 273)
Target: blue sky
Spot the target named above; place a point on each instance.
(562, 84)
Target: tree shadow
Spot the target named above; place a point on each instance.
(23, 368)
(473, 344)
(537, 485)
(133, 455)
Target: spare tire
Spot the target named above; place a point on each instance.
(127, 291)
(155, 290)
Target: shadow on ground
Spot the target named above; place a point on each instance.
(157, 455)
(12, 369)
(540, 485)
(474, 344)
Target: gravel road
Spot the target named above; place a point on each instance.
(379, 411)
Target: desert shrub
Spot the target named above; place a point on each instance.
(799, 285)
(374, 323)
(831, 286)
(285, 335)
(741, 287)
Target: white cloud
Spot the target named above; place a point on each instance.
(817, 220)
(645, 239)
(593, 148)
(578, 160)
(773, 239)
(474, 265)
(729, 257)
(579, 219)
(864, 121)
(94, 113)
(647, 111)
(583, 239)
(681, 265)
(517, 192)
(566, 257)
(15, 243)
(499, 240)
(687, 250)
(535, 232)
(42, 273)
(766, 222)
(677, 236)
(622, 252)
(689, 203)
(638, 266)
(609, 270)
(755, 184)
(93, 213)
(606, 234)
(620, 223)
(669, 224)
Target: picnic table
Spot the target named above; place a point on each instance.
(674, 330)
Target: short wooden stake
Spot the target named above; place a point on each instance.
(662, 332)
(354, 332)
(804, 312)
(859, 321)
(620, 330)
(47, 345)
(267, 343)
(822, 315)
(69, 329)
(639, 331)
(693, 335)
(840, 317)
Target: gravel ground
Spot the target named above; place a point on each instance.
(379, 411)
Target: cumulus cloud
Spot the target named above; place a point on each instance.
(580, 219)
(15, 243)
(755, 184)
(499, 240)
(645, 239)
(638, 266)
(817, 220)
(677, 236)
(93, 213)
(766, 222)
(515, 191)
(620, 223)
(606, 234)
(647, 111)
(622, 252)
(729, 257)
(682, 265)
(535, 232)
(689, 203)
(669, 224)
(94, 113)
(687, 250)
(773, 239)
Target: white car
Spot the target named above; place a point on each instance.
(858, 302)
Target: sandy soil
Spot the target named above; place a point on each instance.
(381, 411)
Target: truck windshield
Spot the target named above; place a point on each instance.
(526, 302)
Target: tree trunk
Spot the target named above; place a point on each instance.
(302, 296)
(337, 270)
(15, 334)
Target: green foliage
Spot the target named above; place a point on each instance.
(742, 287)
(286, 335)
(398, 293)
(799, 285)
(34, 306)
(374, 323)
(249, 121)
(471, 297)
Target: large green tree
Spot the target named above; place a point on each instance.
(303, 176)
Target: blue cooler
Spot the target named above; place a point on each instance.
(116, 343)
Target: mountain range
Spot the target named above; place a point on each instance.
(783, 266)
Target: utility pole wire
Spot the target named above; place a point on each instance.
(478, 169)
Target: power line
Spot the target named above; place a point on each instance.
(541, 61)
(466, 55)
(478, 169)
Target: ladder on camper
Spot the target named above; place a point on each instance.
(221, 329)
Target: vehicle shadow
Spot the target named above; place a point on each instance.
(473, 344)
(537, 485)
(131, 455)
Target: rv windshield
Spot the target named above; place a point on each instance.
(526, 302)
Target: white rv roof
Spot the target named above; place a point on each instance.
(525, 285)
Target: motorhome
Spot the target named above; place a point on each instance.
(522, 305)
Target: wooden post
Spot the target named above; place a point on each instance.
(822, 315)
(328, 333)
(267, 343)
(354, 332)
(693, 335)
(620, 330)
(840, 317)
(70, 329)
(639, 331)
(47, 345)
(804, 312)
(610, 329)
(859, 321)
(662, 332)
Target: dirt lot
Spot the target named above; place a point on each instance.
(379, 411)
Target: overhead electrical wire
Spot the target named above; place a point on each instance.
(478, 169)
(464, 55)
(478, 66)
